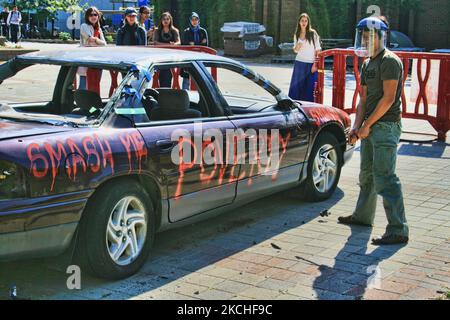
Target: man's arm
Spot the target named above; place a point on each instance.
(360, 114)
(361, 109)
(383, 106)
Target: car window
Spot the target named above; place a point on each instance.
(101, 81)
(241, 89)
(74, 93)
(174, 93)
(33, 84)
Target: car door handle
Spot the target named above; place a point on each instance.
(166, 145)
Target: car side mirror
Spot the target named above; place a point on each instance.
(286, 104)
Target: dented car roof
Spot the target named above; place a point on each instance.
(116, 57)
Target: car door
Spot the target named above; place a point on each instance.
(193, 186)
(276, 140)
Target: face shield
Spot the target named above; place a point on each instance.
(371, 37)
(370, 42)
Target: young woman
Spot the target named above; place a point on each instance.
(307, 46)
(194, 35)
(144, 17)
(165, 34)
(91, 35)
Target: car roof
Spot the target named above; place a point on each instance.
(122, 57)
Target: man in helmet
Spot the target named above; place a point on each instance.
(378, 125)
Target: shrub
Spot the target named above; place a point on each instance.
(65, 36)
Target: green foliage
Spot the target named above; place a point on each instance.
(65, 36)
(48, 8)
(109, 39)
(319, 14)
(213, 14)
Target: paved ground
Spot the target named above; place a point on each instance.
(280, 247)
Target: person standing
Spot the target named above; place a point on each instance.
(166, 34)
(378, 125)
(144, 17)
(194, 35)
(307, 47)
(130, 33)
(13, 22)
(4, 22)
(91, 35)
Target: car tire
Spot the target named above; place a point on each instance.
(119, 217)
(323, 171)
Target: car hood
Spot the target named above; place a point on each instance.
(12, 129)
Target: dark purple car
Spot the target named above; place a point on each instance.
(102, 168)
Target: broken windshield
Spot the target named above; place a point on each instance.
(68, 94)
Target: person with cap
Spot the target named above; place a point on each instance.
(131, 34)
(378, 125)
(194, 35)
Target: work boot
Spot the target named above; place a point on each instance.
(390, 240)
(350, 220)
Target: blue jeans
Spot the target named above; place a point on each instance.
(378, 177)
(303, 82)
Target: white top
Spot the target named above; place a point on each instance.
(307, 52)
(87, 31)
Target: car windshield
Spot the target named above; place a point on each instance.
(58, 95)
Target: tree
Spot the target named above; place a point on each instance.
(47, 7)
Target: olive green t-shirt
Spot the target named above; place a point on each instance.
(385, 66)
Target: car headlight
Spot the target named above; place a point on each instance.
(12, 181)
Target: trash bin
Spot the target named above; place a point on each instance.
(244, 39)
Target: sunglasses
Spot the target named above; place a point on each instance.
(93, 15)
(194, 19)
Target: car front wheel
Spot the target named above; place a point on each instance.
(324, 169)
(117, 230)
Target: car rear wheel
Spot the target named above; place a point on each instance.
(117, 230)
(324, 169)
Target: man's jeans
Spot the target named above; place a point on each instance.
(378, 163)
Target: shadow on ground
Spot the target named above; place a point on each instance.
(435, 150)
(176, 253)
(353, 279)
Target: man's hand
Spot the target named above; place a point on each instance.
(314, 68)
(364, 132)
(353, 136)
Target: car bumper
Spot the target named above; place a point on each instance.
(39, 227)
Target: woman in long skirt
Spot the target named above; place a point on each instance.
(307, 47)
